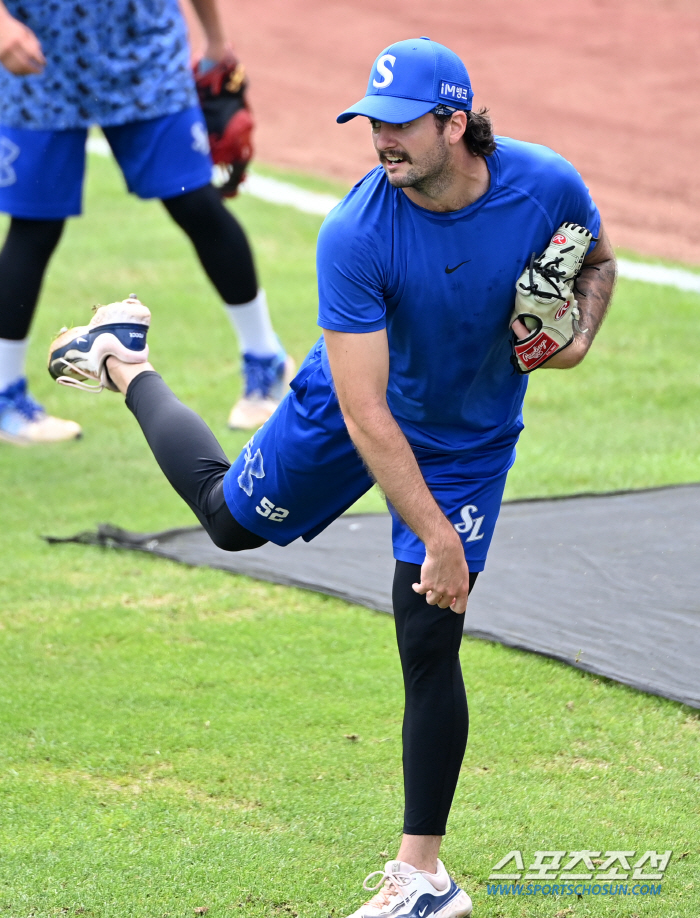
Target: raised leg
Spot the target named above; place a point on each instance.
(186, 450)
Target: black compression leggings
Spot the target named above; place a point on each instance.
(215, 233)
(219, 241)
(25, 254)
(436, 717)
(190, 457)
(436, 720)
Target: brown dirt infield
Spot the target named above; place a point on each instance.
(613, 85)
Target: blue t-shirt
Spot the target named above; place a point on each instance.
(108, 62)
(443, 286)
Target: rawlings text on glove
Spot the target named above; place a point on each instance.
(544, 298)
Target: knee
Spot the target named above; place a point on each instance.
(42, 236)
(427, 645)
(195, 209)
(229, 541)
(429, 640)
(227, 533)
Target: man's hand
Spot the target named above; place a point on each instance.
(20, 50)
(444, 576)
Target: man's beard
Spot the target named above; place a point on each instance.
(430, 177)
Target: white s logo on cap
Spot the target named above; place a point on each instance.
(385, 72)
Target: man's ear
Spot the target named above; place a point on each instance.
(457, 126)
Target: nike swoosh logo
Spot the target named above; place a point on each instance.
(425, 907)
(449, 270)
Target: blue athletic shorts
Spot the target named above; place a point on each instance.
(41, 172)
(300, 471)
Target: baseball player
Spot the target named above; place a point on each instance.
(125, 65)
(449, 273)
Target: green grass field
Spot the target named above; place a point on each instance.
(174, 739)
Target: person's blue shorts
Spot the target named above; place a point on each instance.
(41, 172)
(300, 471)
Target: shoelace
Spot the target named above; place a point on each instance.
(95, 386)
(392, 883)
(260, 375)
(17, 398)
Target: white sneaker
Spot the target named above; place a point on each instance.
(117, 330)
(23, 422)
(409, 893)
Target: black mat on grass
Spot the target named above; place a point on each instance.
(608, 583)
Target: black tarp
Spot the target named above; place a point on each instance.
(608, 583)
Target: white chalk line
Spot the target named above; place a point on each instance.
(282, 193)
(277, 192)
(659, 274)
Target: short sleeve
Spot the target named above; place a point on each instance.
(351, 279)
(573, 199)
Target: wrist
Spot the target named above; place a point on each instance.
(570, 356)
(442, 536)
(217, 48)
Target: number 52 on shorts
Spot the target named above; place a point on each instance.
(267, 509)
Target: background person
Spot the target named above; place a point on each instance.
(124, 65)
(412, 384)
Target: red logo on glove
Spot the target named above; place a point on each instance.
(563, 309)
(558, 239)
(537, 351)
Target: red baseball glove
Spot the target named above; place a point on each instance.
(222, 95)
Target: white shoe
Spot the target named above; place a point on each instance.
(24, 422)
(117, 330)
(408, 893)
(266, 382)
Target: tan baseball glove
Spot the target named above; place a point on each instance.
(545, 301)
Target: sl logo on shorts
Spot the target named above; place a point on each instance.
(470, 524)
(253, 468)
(9, 152)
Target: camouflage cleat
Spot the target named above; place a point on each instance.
(23, 421)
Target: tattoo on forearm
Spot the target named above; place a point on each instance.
(593, 290)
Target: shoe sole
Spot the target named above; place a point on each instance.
(23, 441)
(459, 907)
(127, 312)
(251, 416)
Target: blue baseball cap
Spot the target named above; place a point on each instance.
(409, 79)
